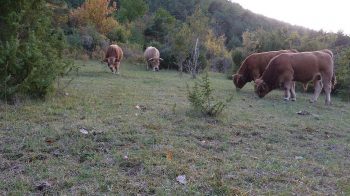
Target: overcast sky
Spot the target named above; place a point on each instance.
(329, 15)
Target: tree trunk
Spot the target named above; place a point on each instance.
(195, 60)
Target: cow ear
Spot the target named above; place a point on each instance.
(161, 59)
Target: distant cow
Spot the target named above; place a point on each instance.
(284, 69)
(113, 57)
(152, 57)
(253, 66)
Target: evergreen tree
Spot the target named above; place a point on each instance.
(31, 49)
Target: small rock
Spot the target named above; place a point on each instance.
(140, 107)
(181, 179)
(84, 131)
(56, 153)
(299, 157)
(303, 112)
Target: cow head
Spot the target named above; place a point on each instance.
(154, 62)
(239, 80)
(112, 64)
(261, 88)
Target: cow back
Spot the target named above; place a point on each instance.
(151, 52)
(114, 51)
(255, 64)
(302, 67)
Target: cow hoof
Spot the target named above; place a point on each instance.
(294, 99)
(312, 101)
(286, 99)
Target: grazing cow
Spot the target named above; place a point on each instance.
(284, 69)
(333, 82)
(113, 57)
(253, 66)
(152, 57)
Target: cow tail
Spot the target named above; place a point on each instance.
(334, 80)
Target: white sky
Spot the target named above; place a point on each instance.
(329, 15)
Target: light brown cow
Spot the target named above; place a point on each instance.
(305, 86)
(152, 57)
(113, 57)
(253, 66)
(284, 69)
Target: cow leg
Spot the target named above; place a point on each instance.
(117, 67)
(113, 68)
(292, 91)
(318, 88)
(287, 89)
(305, 87)
(327, 89)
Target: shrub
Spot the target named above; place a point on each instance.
(221, 64)
(31, 58)
(119, 34)
(237, 58)
(202, 100)
(133, 52)
(97, 13)
(343, 74)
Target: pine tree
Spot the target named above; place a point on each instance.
(31, 49)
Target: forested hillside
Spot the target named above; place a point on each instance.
(226, 34)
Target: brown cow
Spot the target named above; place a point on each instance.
(152, 57)
(253, 66)
(331, 54)
(113, 57)
(284, 69)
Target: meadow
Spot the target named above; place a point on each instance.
(135, 133)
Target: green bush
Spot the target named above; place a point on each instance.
(31, 52)
(343, 74)
(202, 100)
(119, 34)
(237, 58)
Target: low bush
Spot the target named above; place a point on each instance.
(202, 100)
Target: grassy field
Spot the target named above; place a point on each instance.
(135, 133)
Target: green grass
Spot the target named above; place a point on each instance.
(256, 146)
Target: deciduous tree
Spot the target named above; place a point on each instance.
(96, 12)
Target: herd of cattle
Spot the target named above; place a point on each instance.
(269, 70)
(114, 55)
